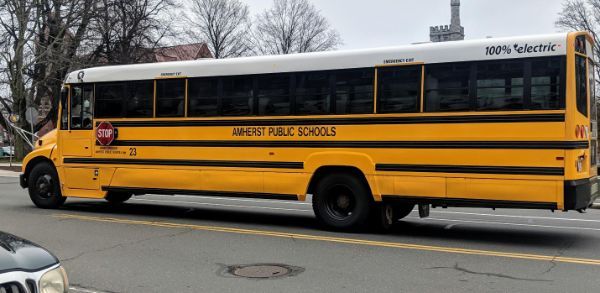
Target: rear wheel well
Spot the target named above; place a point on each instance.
(324, 171)
(35, 161)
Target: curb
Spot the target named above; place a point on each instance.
(6, 173)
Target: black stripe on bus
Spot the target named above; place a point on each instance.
(466, 202)
(194, 163)
(508, 118)
(562, 145)
(141, 190)
(472, 169)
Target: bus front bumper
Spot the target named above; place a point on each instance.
(23, 181)
(580, 194)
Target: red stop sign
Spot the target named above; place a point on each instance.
(105, 133)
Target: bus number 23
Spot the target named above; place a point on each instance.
(132, 152)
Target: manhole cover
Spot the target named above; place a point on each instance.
(263, 271)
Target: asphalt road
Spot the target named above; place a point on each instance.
(190, 244)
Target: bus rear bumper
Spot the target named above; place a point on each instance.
(580, 194)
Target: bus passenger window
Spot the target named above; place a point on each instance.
(354, 91)
(399, 89)
(447, 87)
(313, 93)
(547, 91)
(500, 85)
(82, 98)
(238, 96)
(87, 107)
(203, 97)
(109, 100)
(274, 94)
(76, 95)
(170, 98)
(140, 99)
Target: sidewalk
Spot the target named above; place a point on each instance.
(8, 173)
(15, 167)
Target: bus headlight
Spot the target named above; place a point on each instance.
(54, 281)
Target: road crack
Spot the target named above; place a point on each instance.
(496, 275)
(65, 260)
(558, 254)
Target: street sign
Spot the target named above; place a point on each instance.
(105, 133)
(31, 115)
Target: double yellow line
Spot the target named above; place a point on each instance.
(353, 241)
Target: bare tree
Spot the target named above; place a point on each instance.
(126, 31)
(63, 26)
(293, 26)
(582, 15)
(223, 24)
(36, 48)
(18, 22)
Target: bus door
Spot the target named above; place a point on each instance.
(76, 142)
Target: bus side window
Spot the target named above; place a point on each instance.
(170, 98)
(203, 97)
(87, 107)
(500, 85)
(76, 99)
(313, 93)
(354, 91)
(109, 99)
(274, 94)
(140, 99)
(447, 87)
(82, 99)
(399, 89)
(581, 79)
(547, 86)
(238, 96)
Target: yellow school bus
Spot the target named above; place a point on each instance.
(370, 134)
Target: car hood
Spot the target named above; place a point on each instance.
(18, 254)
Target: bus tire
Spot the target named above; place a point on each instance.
(117, 197)
(342, 202)
(402, 210)
(44, 187)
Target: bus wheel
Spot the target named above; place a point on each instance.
(117, 197)
(44, 187)
(402, 210)
(342, 201)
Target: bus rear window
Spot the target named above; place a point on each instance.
(581, 79)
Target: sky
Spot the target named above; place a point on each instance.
(376, 23)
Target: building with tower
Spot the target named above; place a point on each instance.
(452, 32)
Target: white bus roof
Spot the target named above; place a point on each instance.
(471, 50)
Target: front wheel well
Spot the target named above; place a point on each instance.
(324, 171)
(35, 161)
